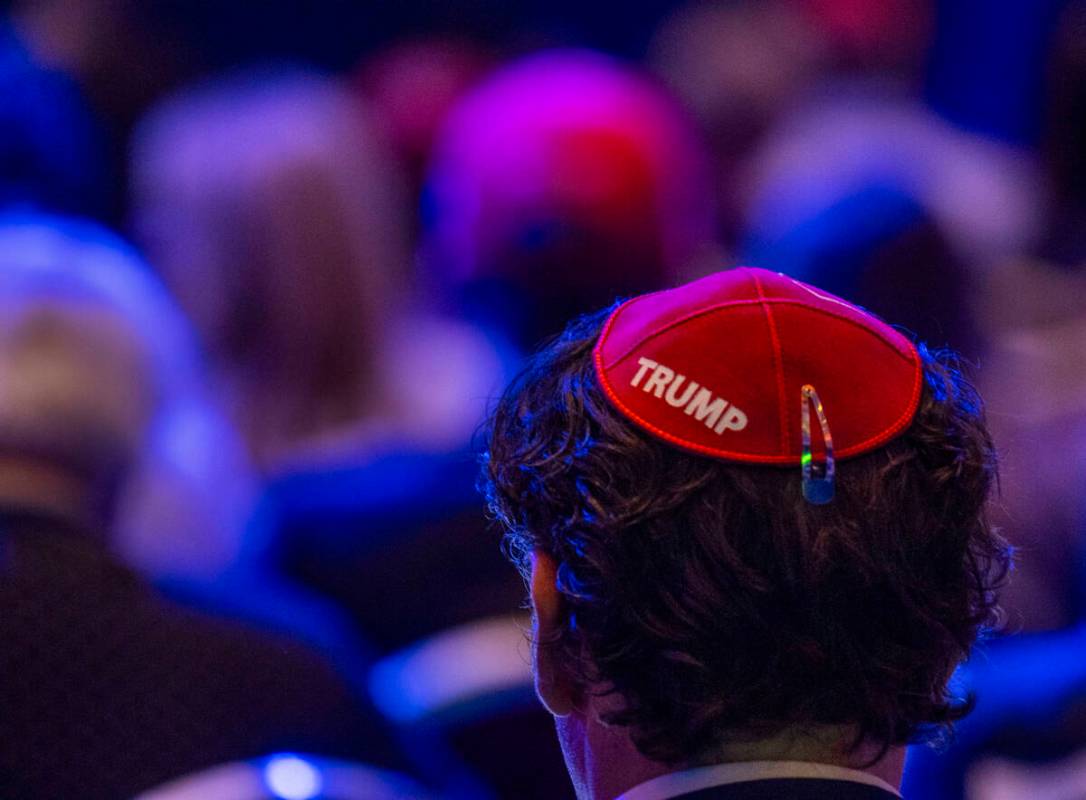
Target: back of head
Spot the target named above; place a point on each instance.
(984, 196)
(563, 178)
(705, 594)
(878, 246)
(89, 347)
(266, 201)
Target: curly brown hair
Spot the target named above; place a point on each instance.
(716, 603)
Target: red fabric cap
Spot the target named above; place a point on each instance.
(717, 366)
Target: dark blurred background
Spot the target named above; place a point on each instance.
(264, 267)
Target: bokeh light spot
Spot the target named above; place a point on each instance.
(292, 778)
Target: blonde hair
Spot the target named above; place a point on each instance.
(99, 373)
(89, 344)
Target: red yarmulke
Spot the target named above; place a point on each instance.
(717, 367)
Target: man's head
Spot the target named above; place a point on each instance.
(700, 602)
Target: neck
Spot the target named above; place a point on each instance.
(604, 763)
(39, 485)
(822, 745)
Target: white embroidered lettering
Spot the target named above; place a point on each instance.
(646, 365)
(695, 400)
(704, 410)
(679, 401)
(733, 420)
(661, 377)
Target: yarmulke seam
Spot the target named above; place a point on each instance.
(778, 365)
(908, 354)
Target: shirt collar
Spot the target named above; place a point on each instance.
(693, 780)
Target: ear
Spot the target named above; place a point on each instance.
(552, 685)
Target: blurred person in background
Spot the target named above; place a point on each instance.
(985, 196)
(901, 212)
(1034, 312)
(107, 688)
(189, 487)
(410, 88)
(740, 66)
(276, 217)
(1033, 315)
(736, 67)
(74, 77)
(881, 249)
(562, 181)
(275, 213)
(890, 207)
(1026, 737)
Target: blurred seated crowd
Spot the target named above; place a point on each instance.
(254, 308)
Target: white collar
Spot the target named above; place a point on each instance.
(693, 780)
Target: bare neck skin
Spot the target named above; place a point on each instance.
(603, 762)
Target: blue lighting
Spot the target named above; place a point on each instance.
(292, 778)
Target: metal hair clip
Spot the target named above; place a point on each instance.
(818, 486)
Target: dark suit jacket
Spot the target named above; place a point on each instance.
(791, 789)
(107, 690)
